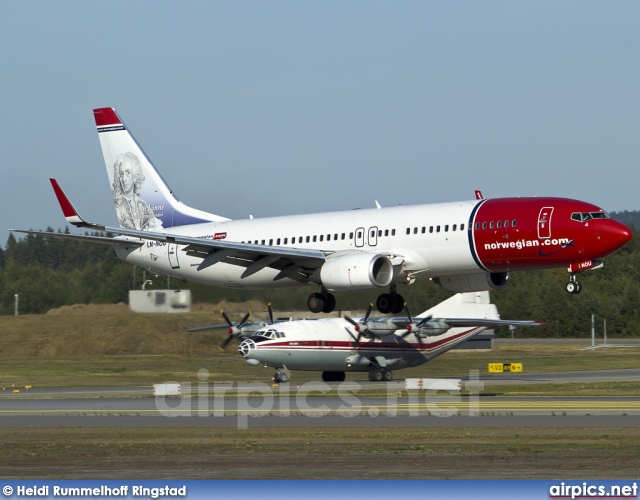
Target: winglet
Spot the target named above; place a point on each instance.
(479, 195)
(68, 210)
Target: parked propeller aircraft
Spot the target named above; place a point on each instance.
(241, 329)
(377, 345)
(464, 246)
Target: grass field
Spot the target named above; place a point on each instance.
(320, 453)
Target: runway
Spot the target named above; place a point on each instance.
(343, 404)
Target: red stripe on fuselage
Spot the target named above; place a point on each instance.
(544, 235)
(401, 345)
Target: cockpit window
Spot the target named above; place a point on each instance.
(585, 216)
(268, 334)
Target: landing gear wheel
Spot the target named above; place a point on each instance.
(574, 286)
(316, 303)
(387, 375)
(280, 377)
(385, 303)
(333, 376)
(376, 375)
(398, 304)
(329, 303)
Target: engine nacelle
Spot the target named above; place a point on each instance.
(477, 282)
(356, 271)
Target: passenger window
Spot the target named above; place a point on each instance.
(506, 223)
(393, 232)
(321, 237)
(431, 229)
(308, 239)
(499, 225)
(286, 241)
(263, 242)
(484, 225)
(342, 237)
(491, 225)
(513, 223)
(278, 241)
(415, 230)
(379, 233)
(314, 238)
(446, 228)
(335, 237)
(424, 229)
(408, 230)
(437, 229)
(453, 228)
(350, 236)
(386, 232)
(477, 225)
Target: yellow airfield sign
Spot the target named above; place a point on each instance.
(505, 367)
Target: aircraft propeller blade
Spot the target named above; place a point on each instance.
(361, 327)
(270, 313)
(235, 331)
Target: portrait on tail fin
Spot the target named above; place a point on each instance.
(133, 212)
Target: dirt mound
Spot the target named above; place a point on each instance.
(119, 308)
(230, 307)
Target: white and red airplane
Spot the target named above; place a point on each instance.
(338, 345)
(464, 246)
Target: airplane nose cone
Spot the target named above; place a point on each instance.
(245, 347)
(614, 235)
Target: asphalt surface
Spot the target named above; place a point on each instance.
(260, 405)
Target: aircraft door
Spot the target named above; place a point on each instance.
(359, 239)
(172, 250)
(373, 236)
(544, 223)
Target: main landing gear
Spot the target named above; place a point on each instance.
(390, 302)
(574, 285)
(380, 375)
(322, 301)
(333, 376)
(325, 302)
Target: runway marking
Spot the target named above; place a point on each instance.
(440, 406)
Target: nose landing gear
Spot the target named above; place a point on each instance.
(574, 286)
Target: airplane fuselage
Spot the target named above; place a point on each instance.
(422, 241)
(330, 344)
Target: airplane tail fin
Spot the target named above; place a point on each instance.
(465, 305)
(142, 198)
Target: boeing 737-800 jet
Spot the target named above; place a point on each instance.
(464, 246)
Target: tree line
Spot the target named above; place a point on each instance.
(48, 272)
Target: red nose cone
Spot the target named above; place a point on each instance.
(615, 235)
(230, 330)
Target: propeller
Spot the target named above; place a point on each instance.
(235, 331)
(414, 327)
(362, 327)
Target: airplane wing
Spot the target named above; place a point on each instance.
(489, 322)
(105, 240)
(469, 322)
(290, 261)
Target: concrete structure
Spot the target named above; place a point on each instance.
(160, 301)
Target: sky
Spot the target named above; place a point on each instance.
(284, 107)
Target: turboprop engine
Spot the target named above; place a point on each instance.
(355, 271)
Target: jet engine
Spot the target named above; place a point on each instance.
(355, 271)
(476, 282)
